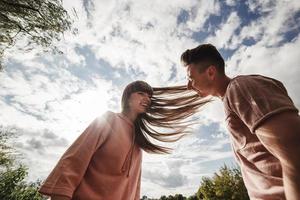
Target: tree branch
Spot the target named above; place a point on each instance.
(19, 5)
(16, 23)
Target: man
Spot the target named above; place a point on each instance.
(262, 119)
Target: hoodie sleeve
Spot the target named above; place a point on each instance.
(70, 169)
(255, 99)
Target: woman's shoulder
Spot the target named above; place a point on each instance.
(110, 113)
(107, 116)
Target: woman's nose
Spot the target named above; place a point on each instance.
(147, 99)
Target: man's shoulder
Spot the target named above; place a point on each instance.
(240, 86)
(249, 78)
(253, 81)
(239, 81)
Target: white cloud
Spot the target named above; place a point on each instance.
(223, 36)
(200, 11)
(277, 62)
(231, 2)
(140, 35)
(269, 29)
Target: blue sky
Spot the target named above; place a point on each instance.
(49, 99)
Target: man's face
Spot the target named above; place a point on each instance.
(199, 81)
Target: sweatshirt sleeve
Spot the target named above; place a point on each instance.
(254, 99)
(70, 169)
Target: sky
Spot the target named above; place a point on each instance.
(47, 100)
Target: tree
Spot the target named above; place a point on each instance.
(226, 184)
(179, 197)
(163, 197)
(170, 197)
(5, 158)
(40, 22)
(144, 198)
(193, 197)
(12, 175)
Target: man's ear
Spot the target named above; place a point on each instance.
(211, 72)
(189, 85)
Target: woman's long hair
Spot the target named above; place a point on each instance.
(169, 109)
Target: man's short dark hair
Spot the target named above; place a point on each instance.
(206, 54)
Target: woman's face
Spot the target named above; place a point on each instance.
(139, 102)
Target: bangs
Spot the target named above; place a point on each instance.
(136, 86)
(141, 86)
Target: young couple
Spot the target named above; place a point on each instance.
(104, 163)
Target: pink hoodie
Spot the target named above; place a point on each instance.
(104, 163)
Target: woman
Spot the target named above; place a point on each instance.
(104, 163)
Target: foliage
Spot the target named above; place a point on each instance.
(40, 22)
(12, 175)
(5, 157)
(193, 197)
(171, 197)
(176, 197)
(226, 184)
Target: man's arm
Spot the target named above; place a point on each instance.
(281, 136)
(59, 197)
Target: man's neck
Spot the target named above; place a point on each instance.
(221, 86)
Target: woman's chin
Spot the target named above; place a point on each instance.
(141, 111)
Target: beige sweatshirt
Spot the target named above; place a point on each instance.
(249, 101)
(104, 163)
